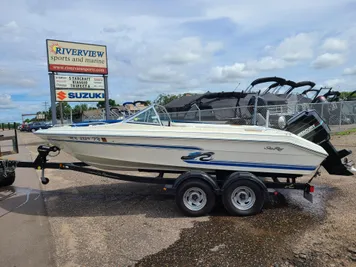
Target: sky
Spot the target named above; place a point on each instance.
(168, 46)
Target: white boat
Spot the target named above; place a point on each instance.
(149, 140)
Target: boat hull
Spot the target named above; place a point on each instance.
(181, 154)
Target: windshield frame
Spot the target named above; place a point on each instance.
(131, 119)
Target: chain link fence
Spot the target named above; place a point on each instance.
(338, 115)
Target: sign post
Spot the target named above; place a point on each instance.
(107, 108)
(53, 98)
(74, 57)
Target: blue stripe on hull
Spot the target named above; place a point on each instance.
(253, 165)
(216, 163)
(133, 145)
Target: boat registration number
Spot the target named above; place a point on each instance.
(85, 138)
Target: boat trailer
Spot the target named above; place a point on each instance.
(242, 193)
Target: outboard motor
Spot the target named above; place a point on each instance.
(309, 125)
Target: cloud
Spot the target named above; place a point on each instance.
(335, 44)
(163, 74)
(267, 63)
(288, 52)
(152, 90)
(10, 32)
(296, 48)
(123, 29)
(190, 49)
(230, 73)
(341, 83)
(11, 79)
(181, 58)
(334, 82)
(10, 27)
(252, 15)
(350, 71)
(328, 60)
(6, 102)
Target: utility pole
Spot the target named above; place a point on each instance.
(45, 104)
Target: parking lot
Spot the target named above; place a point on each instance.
(85, 220)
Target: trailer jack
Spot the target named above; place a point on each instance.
(41, 160)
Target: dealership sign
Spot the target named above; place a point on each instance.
(67, 95)
(75, 57)
(78, 82)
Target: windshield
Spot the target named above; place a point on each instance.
(153, 115)
(281, 89)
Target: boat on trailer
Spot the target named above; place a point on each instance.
(149, 140)
(227, 161)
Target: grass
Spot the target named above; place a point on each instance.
(346, 132)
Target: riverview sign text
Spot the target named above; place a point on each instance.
(75, 57)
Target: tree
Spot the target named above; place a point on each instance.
(344, 95)
(101, 104)
(66, 110)
(78, 109)
(164, 99)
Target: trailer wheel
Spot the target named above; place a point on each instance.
(195, 198)
(243, 198)
(7, 180)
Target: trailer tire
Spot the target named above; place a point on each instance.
(243, 198)
(195, 197)
(8, 180)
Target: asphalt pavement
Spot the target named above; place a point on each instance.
(25, 235)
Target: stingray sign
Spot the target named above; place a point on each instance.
(72, 57)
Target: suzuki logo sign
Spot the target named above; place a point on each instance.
(80, 95)
(61, 95)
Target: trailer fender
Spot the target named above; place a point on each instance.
(197, 175)
(244, 176)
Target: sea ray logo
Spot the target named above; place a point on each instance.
(61, 95)
(279, 149)
(207, 156)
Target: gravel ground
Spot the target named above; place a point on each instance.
(288, 233)
(100, 222)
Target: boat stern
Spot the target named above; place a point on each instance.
(310, 126)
